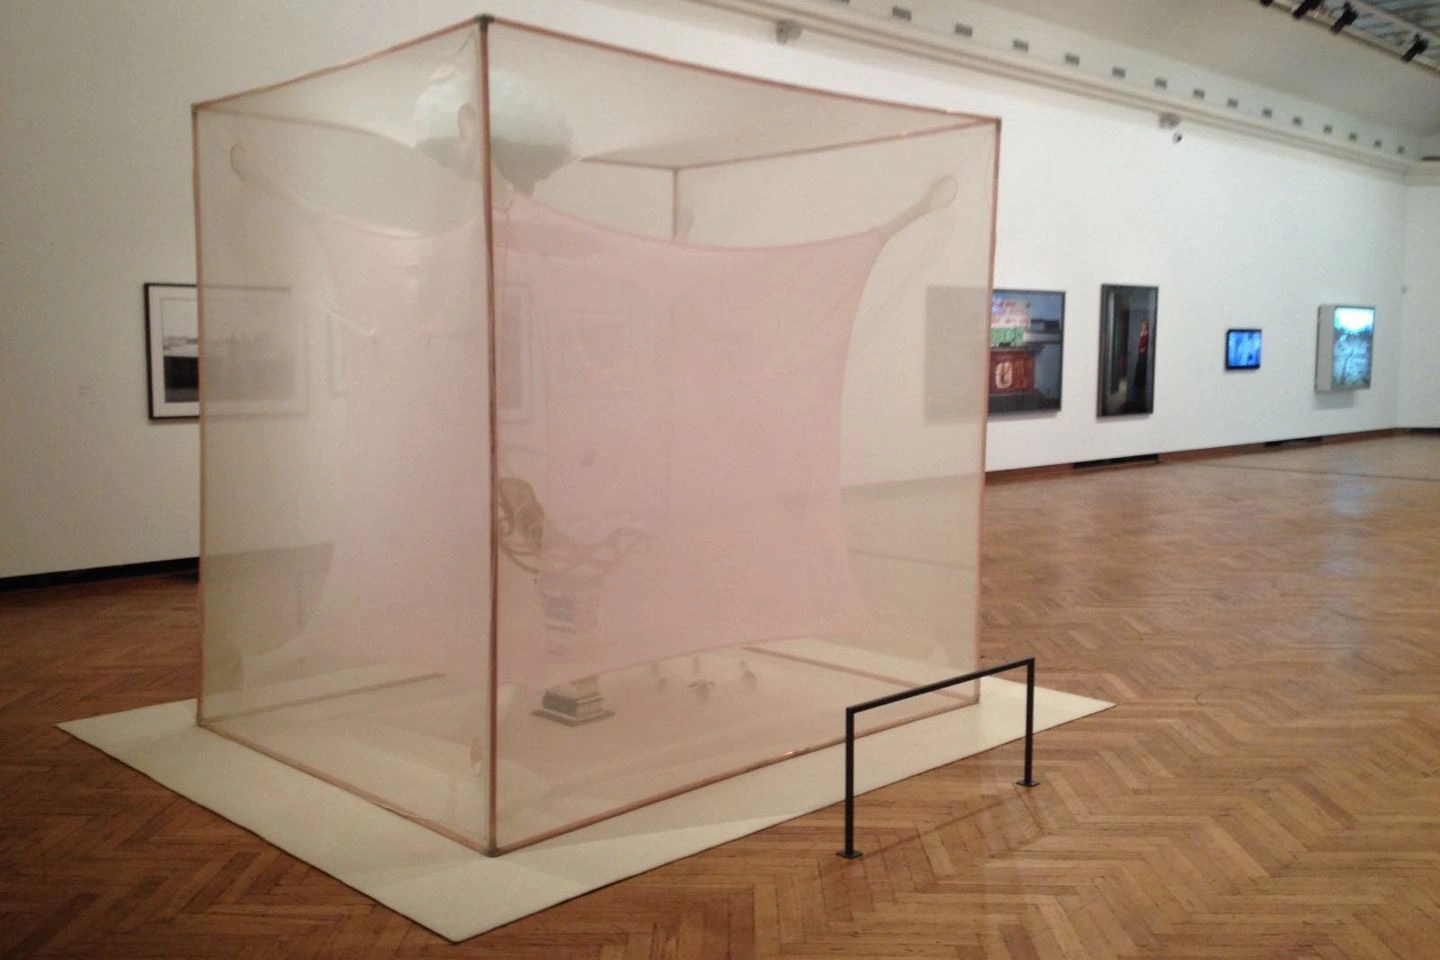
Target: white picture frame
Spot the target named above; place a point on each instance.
(255, 353)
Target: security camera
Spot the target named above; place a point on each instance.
(1171, 121)
(788, 31)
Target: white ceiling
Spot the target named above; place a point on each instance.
(1264, 46)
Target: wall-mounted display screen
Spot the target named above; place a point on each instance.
(1027, 343)
(1242, 349)
(1344, 344)
(1127, 349)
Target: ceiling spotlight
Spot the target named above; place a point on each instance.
(1304, 7)
(1418, 47)
(1346, 17)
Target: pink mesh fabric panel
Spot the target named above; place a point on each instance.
(347, 501)
(721, 513)
(407, 581)
(686, 492)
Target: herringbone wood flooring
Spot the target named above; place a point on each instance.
(1267, 787)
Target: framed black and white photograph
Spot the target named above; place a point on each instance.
(172, 333)
(335, 335)
(513, 388)
(255, 353)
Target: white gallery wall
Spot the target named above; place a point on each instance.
(1420, 356)
(1234, 233)
(95, 201)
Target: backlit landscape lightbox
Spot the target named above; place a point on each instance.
(1344, 348)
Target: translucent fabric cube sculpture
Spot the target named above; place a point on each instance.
(580, 427)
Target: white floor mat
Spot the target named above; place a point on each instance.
(459, 893)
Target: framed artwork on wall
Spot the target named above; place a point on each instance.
(335, 338)
(957, 328)
(1127, 350)
(172, 354)
(1344, 348)
(513, 370)
(1242, 349)
(1027, 343)
(255, 353)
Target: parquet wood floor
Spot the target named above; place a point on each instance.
(1267, 787)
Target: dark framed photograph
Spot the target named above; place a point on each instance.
(172, 356)
(1027, 349)
(1242, 349)
(1127, 350)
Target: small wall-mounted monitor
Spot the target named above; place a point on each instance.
(1343, 347)
(1242, 349)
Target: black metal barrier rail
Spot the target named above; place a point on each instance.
(850, 853)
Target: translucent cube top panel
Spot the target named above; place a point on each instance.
(580, 427)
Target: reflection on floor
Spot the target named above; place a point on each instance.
(1265, 788)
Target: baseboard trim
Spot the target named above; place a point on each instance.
(1198, 453)
(187, 567)
(1030, 473)
(1206, 453)
(1135, 460)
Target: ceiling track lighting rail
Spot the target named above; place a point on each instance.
(832, 21)
(1346, 16)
